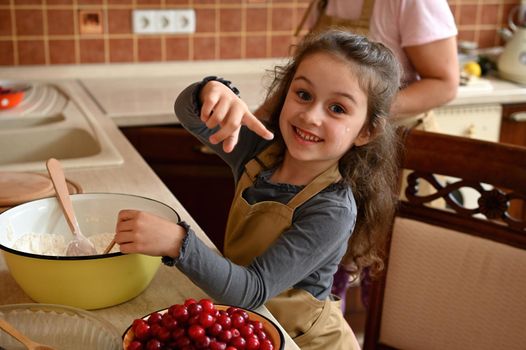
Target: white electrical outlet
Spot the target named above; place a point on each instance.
(143, 21)
(163, 21)
(185, 21)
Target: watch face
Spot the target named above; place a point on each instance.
(168, 261)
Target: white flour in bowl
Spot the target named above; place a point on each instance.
(53, 244)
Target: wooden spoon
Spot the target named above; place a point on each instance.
(15, 333)
(80, 245)
(109, 247)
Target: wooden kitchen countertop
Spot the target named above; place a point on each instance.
(134, 176)
(143, 94)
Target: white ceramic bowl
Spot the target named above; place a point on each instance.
(87, 282)
(61, 327)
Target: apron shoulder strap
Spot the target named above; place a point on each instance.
(323, 180)
(367, 10)
(266, 159)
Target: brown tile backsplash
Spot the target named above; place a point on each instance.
(47, 31)
(61, 51)
(60, 22)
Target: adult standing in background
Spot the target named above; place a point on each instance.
(421, 33)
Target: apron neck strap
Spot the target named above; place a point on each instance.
(323, 180)
(266, 159)
(367, 10)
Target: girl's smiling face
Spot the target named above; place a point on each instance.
(324, 111)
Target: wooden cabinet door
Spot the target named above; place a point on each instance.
(513, 126)
(513, 131)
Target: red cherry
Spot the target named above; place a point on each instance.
(206, 320)
(217, 345)
(235, 332)
(246, 330)
(231, 310)
(178, 333)
(253, 343)
(243, 313)
(164, 334)
(238, 342)
(260, 334)
(203, 343)
(142, 331)
(154, 318)
(231, 348)
(207, 304)
(257, 324)
(189, 301)
(225, 335)
(225, 321)
(196, 332)
(215, 329)
(134, 345)
(237, 320)
(169, 322)
(154, 329)
(193, 320)
(179, 312)
(183, 341)
(153, 344)
(195, 309)
(266, 344)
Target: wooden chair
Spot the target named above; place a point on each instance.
(455, 276)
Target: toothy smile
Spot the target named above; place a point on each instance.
(304, 135)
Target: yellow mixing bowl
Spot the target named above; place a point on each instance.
(87, 282)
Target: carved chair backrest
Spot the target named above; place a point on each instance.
(455, 277)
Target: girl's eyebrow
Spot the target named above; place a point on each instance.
(343, 94)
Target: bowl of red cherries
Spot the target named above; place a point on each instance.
(203, 325)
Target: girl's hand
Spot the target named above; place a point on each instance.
(220, 106)
(145, 233)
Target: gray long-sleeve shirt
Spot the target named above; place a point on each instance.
(305, 256)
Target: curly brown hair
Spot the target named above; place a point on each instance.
(371, 170)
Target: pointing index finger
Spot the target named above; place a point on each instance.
(254, 124)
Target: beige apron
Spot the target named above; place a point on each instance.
(251, 229)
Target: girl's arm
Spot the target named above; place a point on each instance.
(188, 111)
(222, 108)
(305, 256)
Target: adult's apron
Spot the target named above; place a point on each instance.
(251, 229)
(324, 21)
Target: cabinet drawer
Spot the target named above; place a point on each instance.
(170, 144)
(474, 121)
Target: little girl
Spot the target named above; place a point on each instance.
(315, 192)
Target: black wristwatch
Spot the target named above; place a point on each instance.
(168, 260)
(203, 82)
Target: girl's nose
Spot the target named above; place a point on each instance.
(313, 114)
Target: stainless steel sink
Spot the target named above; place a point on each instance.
(55, 125)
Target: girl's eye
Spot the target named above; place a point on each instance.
(303, 95)
(337, 109)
